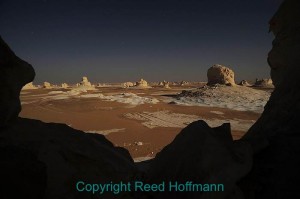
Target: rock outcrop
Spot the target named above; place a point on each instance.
(29, 86)
(47, 85)
(218, 74)
(128, 84)
(275, 136)
(164, 84)
(15, 73)
(244, 83)
(40, 160)
(69, 156)
(202, 155)
(84, 85)
(85, 82)
(267, 83)
(64, 85)
(142, 84)
(183, 83)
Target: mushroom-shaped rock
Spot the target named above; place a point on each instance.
(85, 82)
(142, 84)
(218, 74)
(47, 85)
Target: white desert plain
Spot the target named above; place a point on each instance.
(144, 117)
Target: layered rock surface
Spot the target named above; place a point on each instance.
(128, 84)
(198, 154)
(142, 84)
(218, 74)
(85, 82)
(267, 83)
(275, 136)
(46, 160)
(83, 86)
(47, 85)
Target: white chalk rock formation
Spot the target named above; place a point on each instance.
(85, 82)
(218, 74)
(29, 86)
(64, 85)
(264, 83)
(84, 85)
(142, 84)
(183, 83)
(47, 85)
(166, 84)
(128, 84)
(244, 83)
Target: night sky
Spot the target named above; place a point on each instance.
(125, 40)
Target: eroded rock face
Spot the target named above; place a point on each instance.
(84, 85)
(47, 85)
(165, 84)
(64, 85)
(142, 84)
(275, 136)
(202, 155)
(268, 83)
(40, 160)
(69, 156)
(218, 74)
(15, 73)
(128, 84)
(183, 83)
(244, 83)
(85, 82)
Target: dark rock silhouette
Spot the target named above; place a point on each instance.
(49, 158)
(275, 136)
(202, 155)
(22, 172)
(15, 73)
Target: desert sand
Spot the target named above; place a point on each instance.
(143, 120)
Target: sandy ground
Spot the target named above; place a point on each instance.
(140, 120)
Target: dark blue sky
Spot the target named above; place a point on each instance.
(124, 40)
